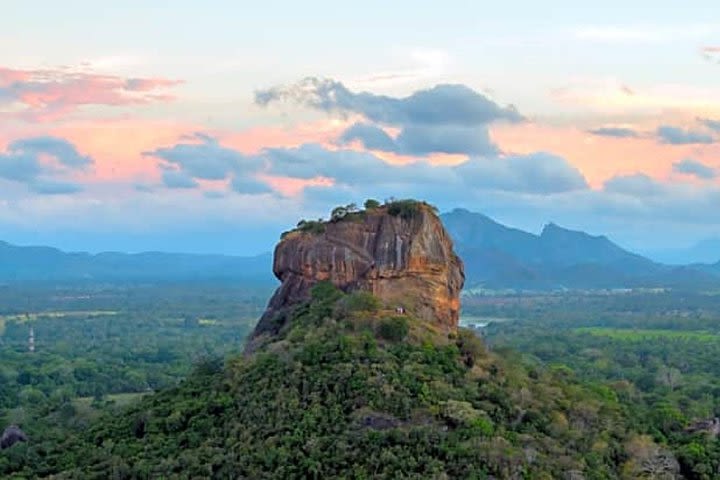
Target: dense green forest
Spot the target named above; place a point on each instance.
(595, 385)
(656, 351)
(350, 391)
(100, 347)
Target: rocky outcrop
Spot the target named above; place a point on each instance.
(711, 427)
(405, 259)
(11, 436)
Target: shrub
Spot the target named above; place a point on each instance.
(311, 226)
(324, 296)
(361, 302)
(405, 209)
(471, 346)
(325, 292)
(339, 213)
(462, 414)
(371, 204)
(393, 329)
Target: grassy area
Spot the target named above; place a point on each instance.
(207, 321)
(634, 335)
(26, 317)
(480, 319)
(85, 409)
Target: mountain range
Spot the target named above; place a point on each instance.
(495, 256)
(705, 251)
(32, 264)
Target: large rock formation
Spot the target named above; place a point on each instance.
(405, 258)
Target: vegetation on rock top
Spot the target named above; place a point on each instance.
(405, 208)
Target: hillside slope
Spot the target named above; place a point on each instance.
(355, 392)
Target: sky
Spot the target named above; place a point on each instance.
(214, 126)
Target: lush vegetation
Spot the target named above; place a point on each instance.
(405, 209)
(597, 385)
(656, 352)
(100, 348)
(349, 390)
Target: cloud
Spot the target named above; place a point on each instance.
(349, 167)
(50, 187)
(178, 179)
(538, 173)
(186, 163)
(694, 168)
(64, 151)
(447, 118)
(19, 166)
(26, 161)
(214, 194)
(678, 136)
(422, 139)
(713, 125)
(313, 164)
(207, 160)
(711, 54)
(249, 186)
(371, 137)
(143, 188)
(446, 104)
(616, 132)
(637, 185)
(48, 94)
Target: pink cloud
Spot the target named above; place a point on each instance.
(49, 94)
(594, 96)
(117, 146)
(292, 187)
(601, 158)
(8, 76)
(253, 140)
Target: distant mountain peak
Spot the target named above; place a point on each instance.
(553, 229)
(497, 256)
(465, 213)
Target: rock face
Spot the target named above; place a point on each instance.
(11, 436)
(405, 260)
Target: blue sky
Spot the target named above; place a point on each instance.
(213, 126)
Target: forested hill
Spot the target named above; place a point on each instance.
(349, 390)
(31, 264)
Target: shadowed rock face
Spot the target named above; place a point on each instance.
(11, 436)
(406, 262)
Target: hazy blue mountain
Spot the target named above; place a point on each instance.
(705, 251)
(498, 256)
(18, 263)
